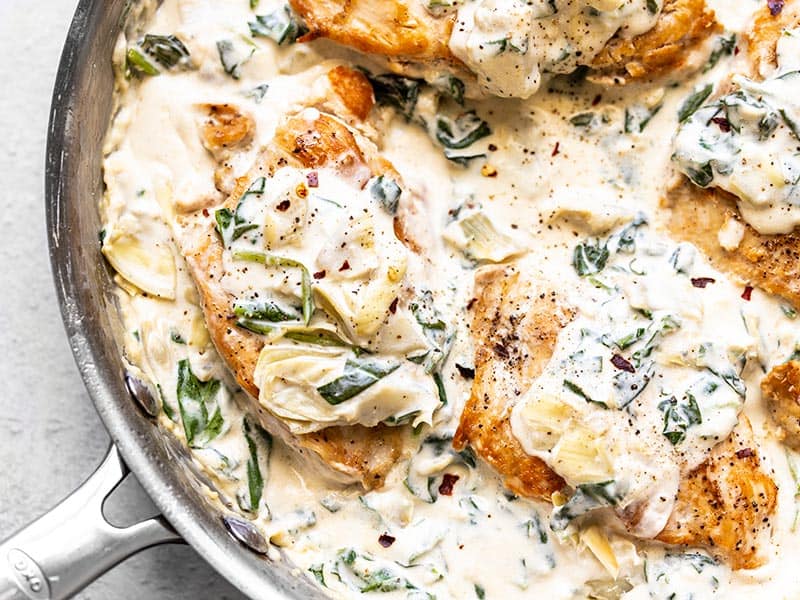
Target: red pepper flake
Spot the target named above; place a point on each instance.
(492, 148)
(701, 282)
(471, 303)
(448, 481)
(555, 150)
(597, 100)
(736, 51)
(746, 293)
(465, 372)
(283, 205)
(205, 212)
(722, 123)
(313, 179)
(393, 306)
(745, 453)
(345, 266)
(775, 7)
(319, 274)
(386, 540)
(622, 364)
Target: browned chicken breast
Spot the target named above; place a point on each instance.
(781, 392)
(724, 505)
(670, 46)
(353, 453)
(697, 215)
(414, 39)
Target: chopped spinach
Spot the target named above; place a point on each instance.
(576, 389)
(137, 62)
(587, 497)
(589, 259)
(359, 374)
(281, 26)
(167, 50)
(255, 479)
(638, 116)
(397, 91)
(723, 46)
(269, 260)
(233, 57)
(195, 397)
(261, 316)
(694, 102)
(679, 416)
(386, 192)
(462, 131)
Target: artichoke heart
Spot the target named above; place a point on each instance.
(314, 387)
(151, 268)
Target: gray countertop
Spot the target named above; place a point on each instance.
(50, 436)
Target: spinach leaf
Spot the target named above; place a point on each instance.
(587, 497)
(137, 62)
(638, 116)
(723, 46)
(480, 593)
(462, 131)
(679, 416)
(456, 89)
(583, 119)
(577, 390)
(589, 259)
(652, 6)
(168, 50)
(258, 92)
(231, 225)
(386, 192)
(694, 102)
(269, 260)
(260, 316)
(281, 26)
(359, 374)
(232, 58)
(255, 479)
(194, 398)
(702, 176)
(397, 91)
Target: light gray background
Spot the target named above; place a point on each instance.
(50, 437)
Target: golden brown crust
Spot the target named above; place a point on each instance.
(781, 392)
(514, 328)
(394, 28)
(726, 503)
(355, 453)
(762, 37)
(226, 127)
(769, 262)
(682, 26)
(354, 89)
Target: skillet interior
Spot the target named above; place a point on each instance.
(80, 113)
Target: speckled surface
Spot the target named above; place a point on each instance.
(50, 437)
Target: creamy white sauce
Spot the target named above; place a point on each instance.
(747, 143)
(544, 186)
(512, 45)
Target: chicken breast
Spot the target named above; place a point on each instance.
(768, 262)
(415, 40)
(723, 505)
(781, 392)
(514, 328)
(674, 44)
(704, 216)
(351, 453)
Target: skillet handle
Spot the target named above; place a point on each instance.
(72, 545)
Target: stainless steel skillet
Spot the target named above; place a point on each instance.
(67, 548)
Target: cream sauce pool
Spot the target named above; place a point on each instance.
(572, 165)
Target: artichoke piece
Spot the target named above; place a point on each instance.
(149, 268)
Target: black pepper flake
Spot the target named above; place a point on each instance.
(465, 372)
(775, 7)
(283, 205)
(471, 303)
(597, 100)
(492, 148)
(319, 274)
(448, 481)
(622, 364)
(701, 282)
(313, 179)
(393, 306)
(345, 266)
(386, 540)
(501, 350)
(748, 290)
